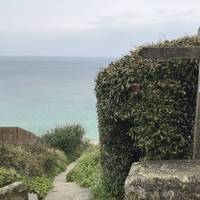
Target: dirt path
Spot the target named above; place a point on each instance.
(63, 190)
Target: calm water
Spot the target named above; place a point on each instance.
(37, 93)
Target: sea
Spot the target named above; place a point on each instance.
(39, 93)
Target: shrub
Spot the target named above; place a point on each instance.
(145, 110)
(8, 176)
(51, 161)
(40, 185)
(68, 138)
(19, 159)
(32, 160)
(34, 165)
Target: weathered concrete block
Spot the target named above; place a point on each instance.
(14, 191)
(32, 196)
(164, 180)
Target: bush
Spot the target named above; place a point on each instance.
(40, 185)
(87, 173)
(51, 161)
(68, 138)
(8, 176)
(32, 160)
(34, 165)
(145, 110)
(19, 159)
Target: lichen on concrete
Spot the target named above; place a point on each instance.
(164, 180)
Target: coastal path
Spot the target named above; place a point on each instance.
(63, 190)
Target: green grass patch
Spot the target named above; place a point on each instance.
(86, 169)
(99, 189)
(87, 173)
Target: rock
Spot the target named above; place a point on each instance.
(164, 180)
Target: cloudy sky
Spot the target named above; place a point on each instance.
(91, 27)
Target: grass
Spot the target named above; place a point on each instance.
(87, 173)
(86, 169)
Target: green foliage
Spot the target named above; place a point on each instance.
(145, 110)
(40, 185)
(32, 160)
(86, 169)
(19, 159)
(37, 165)
(99, 189)
(68, 138)
(87, 173)
(8, 176)
(51, 161)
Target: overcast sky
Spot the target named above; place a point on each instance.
(91, 27)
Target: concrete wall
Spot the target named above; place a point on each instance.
(16, 135)
(164, 180)
(15, 191)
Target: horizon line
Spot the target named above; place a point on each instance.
(59, 56)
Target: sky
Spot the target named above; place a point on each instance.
(91, 27)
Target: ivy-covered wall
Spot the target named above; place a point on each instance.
(146, 110)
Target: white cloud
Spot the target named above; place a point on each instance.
(52, 15)
(79, 27)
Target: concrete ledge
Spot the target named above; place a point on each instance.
(32, 196)
(15, 191)
(164, 180)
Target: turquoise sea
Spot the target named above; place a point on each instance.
(37, 93)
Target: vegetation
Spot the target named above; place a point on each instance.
(39, 185)
(87, 173)
(67, 138)
(87, 168)
(32, 160)
(8, 176)
(99, 189)
(145, 110)
(35, 165)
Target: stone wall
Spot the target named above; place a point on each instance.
(15, 191)
(164, 180)
(16, 135)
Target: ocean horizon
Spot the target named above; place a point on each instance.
(39, 92)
